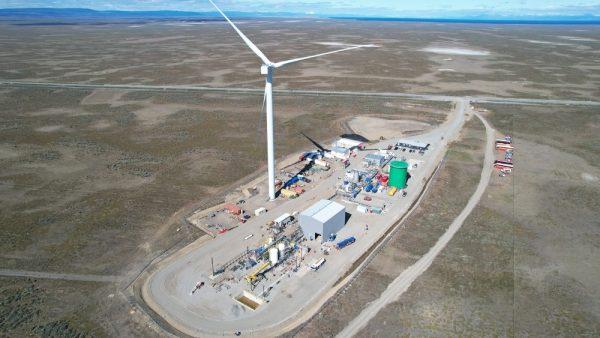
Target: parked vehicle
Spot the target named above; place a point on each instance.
(317, 264)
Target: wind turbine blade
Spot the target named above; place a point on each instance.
(283, 63)
(252, 46)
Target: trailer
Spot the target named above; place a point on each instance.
(345, 242)
(317, 264)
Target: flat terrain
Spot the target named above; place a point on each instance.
(501, 60)
(90, 181)
(96, 183)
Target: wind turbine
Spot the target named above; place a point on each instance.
(267, 69)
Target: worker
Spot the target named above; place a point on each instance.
(366, 227)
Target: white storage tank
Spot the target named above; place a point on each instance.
(281, 248)
(273, 256)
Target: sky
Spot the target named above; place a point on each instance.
(393, 8)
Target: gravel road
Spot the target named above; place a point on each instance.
(408, 276)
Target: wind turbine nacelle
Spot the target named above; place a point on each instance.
(264, 69)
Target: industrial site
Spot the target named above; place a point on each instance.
(226, 173)
(270, 259)
(282, 244)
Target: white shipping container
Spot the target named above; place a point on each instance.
(322, 163)
(362, 209)
(260, 211)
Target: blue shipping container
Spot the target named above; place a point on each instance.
(344, 243)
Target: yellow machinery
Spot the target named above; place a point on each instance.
(253, 276)
(392, 191)
(289, 193)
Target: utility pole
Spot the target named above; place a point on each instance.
(212, 264)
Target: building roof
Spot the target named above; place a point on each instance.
(414, 143)
(339, 150)
(350, 142)
(323, 210)
(282, 218)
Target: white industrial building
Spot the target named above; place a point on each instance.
(323, 219)
(338, 152)
(348, 143)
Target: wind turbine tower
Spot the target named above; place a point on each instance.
(267, 69)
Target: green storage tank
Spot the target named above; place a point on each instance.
(398, 174)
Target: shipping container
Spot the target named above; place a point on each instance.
(260, 211)
(344, 243)
(362, 209)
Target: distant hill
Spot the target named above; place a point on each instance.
(549, 20)
(47, 13)
(83, 14)
(90, 14)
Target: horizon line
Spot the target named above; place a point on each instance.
(591, 18)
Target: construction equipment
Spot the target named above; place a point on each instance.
(392, 191)
(251, 278)
(288, 193)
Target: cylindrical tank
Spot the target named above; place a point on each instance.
(398, 174)
(273, 256)
(281, 248)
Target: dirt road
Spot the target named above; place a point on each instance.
(260, 91)
(60, 276)
(406, 278)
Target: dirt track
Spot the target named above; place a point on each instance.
(60, 276)
(404, 281)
